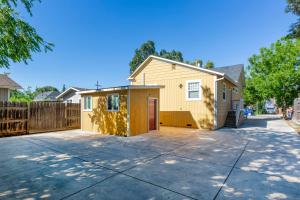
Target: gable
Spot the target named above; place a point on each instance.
(155, 71)
(188, 67)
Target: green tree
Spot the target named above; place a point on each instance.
(39, 90)
(274, 73)
(18, 39)
(294, 7)
(141, 54)
(196, 62)
(209, 65)
(22, 95)
(63, 88)
(172, 55)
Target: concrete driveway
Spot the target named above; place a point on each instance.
(261, 160)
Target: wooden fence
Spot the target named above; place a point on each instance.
(34, 117)
(297, 109)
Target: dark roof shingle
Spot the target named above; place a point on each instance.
(233, 71)
(6, 82)
(47, 96)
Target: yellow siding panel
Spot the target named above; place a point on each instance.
(139, 109)
(224, 106)
(175, 110)
(103, 121)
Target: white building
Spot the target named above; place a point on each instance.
(70, 95)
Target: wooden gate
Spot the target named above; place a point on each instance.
(34, 117)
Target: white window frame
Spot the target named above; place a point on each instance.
(84, 99)
(187, 90)
(113, 94)
(224, 87)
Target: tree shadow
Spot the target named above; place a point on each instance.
(208, 99)
(108, 122)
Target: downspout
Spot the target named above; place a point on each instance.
(216, 101)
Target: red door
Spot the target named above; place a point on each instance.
(152, 114)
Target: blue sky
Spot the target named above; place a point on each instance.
(95, 39)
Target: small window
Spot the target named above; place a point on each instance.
(87, 103)
(224, 92)
(113, 102)
(193, 90)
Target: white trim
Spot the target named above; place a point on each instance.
(157, 113)
(90, 109)
(112, 94)
(86, 92)
(187, 90)
(149, 86)
(128, 114)
(66, 91)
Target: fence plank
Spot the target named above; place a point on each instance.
(22, 118)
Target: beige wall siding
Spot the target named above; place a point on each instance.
(175, 110)
(4, 96)
(223, 106)
(103, 121)
(139, 109)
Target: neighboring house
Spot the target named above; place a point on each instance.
(46, 96)
(70, 95)
(6, 85)
(125, 110)
(192, 96)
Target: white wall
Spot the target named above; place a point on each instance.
(71, 96)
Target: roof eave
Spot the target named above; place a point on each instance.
(66, 91)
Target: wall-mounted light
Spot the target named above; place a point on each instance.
(180, 85)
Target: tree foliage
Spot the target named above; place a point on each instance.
(274, 73)
(39, 90)
(172, 55)
(22, 96)
(141, 54)
(209, 64)
(63, 88)
(28, 95)
(294, 7)
(148, 48)
(18, 39)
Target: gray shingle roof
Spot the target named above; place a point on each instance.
(6, 82)
(47, 96)
(233, 71)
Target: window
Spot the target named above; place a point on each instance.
(224, 92)
(87, 103)
(113, 102)
(69, 101)
(193, 90)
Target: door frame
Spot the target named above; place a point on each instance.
(157, 114)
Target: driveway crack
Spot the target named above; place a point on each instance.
(232, 168)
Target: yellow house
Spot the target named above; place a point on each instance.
(125, 110)
(193, 96)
